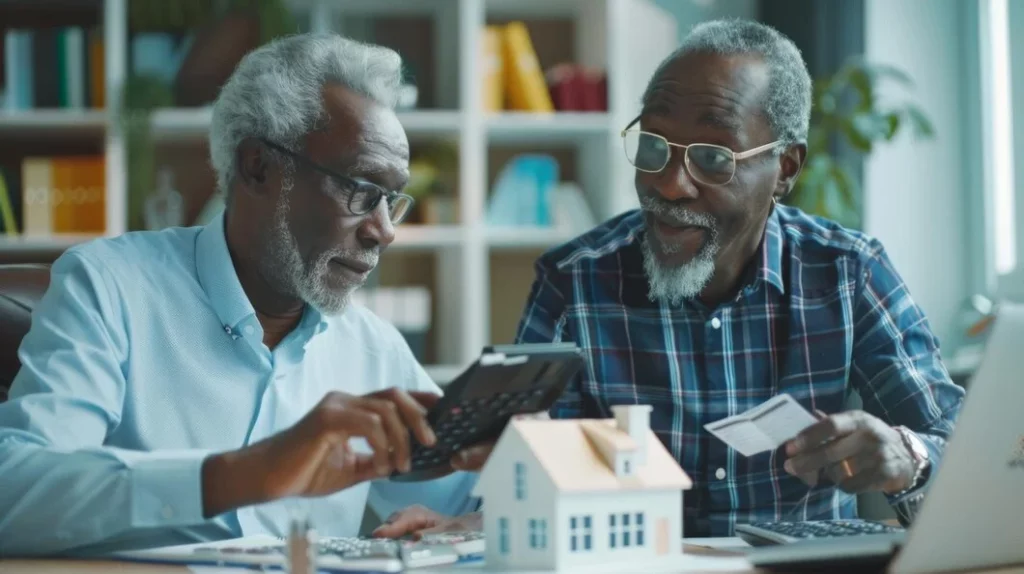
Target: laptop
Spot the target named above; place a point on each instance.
(973, 514)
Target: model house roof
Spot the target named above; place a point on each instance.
(570, 453)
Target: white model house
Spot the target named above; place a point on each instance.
(566, 494)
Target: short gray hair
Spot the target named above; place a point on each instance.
(787, 105)
(276, 91)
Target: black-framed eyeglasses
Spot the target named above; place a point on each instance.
(363, 196)
(706, 163)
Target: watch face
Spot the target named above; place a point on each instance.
(918, 446)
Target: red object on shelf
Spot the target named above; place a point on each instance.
(574, 88)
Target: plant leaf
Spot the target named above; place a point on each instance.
(892, 121)
(879, 71)
(862, 85)
(853, 129)
(922, 125)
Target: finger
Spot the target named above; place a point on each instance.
(414, 415)
(814, 460)
(363, 468)
(829, 428)
(472, 458)
(405, 524)
(398, 434)
(369, 425)
(435, 529)
(858, 474)
(426, 399)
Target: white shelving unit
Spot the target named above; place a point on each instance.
(627, 38)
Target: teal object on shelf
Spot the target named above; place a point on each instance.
(522, 192)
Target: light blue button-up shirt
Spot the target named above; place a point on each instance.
(144, 357)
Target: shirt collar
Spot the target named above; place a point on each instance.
(769, 269)
(217, 275)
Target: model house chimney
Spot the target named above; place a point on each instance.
(635, 420)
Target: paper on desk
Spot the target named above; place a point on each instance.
(764, 427)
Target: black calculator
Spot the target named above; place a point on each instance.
(506, 380)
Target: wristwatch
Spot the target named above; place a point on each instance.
(918, 452)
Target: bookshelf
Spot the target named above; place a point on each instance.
(478, 276)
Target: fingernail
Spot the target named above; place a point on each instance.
(788, 466)
(382, 469)
(431, 437)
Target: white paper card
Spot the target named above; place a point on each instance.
(764, 427)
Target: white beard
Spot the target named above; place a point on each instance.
(284, 267)
(673, 285)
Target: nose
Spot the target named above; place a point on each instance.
(376, 229)
(674, 183)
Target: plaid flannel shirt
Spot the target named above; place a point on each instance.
(822, 314)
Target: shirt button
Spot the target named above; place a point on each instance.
(249, 329)
(720, 474)
(167, 512)
(716, 323)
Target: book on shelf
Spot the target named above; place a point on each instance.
(526, 88)
(514, 80)
(46, 196)
(53, 68)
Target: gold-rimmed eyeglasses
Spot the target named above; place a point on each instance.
(706, 163)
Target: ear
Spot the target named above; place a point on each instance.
(791, 162)
(252, 161)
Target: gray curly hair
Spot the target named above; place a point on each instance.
(276, 92)
(787, 105)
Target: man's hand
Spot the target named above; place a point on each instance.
(313, 457)
(856, 450)
(418, 520)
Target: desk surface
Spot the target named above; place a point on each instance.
(697, 547)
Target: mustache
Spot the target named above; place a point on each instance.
(677, 213)
(369, 257)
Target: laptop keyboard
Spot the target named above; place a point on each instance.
(761, 533)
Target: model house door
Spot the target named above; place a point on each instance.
(661, 537)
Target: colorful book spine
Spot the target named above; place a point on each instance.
(64, 195)
(527, 89)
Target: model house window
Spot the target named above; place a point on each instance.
(625, 530)
(611, 531)
(586, 532)
(639, 528)
(539, 534)
(573, 534)
(579, 527)
(520, 481)
(503, 535)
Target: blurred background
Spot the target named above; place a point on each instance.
(513, 109)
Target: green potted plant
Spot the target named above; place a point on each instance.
(848, 108)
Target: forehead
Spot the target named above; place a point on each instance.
(720, 91)
(359, 132)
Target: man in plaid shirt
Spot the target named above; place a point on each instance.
(712, 298)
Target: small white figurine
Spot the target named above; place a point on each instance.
(588, 494)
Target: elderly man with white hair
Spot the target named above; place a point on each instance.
(203, 383)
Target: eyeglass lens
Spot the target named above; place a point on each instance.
(706, 163)
(366, 196)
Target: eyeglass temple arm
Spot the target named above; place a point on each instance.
(757, 150)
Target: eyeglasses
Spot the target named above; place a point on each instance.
(706, 163)
(363, 196)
